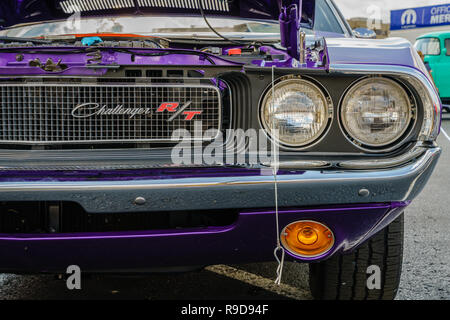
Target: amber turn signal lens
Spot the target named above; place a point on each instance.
(307, 239)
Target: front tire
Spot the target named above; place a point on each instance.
(344, 277)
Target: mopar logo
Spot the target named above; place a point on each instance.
(422, 17)
(409, 17)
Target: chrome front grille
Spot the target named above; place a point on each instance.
(45, 113)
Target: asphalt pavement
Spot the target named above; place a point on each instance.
(426, 269)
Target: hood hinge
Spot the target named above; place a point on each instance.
(290, 22)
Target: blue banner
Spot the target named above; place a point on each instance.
(422, 17)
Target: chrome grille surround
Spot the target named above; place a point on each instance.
(41, 113)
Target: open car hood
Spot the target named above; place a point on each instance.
(13, 12)
(290, 13)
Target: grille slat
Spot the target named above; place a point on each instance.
(46, 113)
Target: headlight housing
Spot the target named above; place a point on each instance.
(376, 112)
(295, 112)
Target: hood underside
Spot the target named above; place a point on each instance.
(13, 12)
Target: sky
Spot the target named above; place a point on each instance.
(380, 8)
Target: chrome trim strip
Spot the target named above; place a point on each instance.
(302, 165)
(371, 164)
(148, 159)
(384, 163)
(306, 178)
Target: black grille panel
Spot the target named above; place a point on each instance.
(69, 217)
(84, 113)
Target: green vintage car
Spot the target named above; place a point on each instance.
(436, 49)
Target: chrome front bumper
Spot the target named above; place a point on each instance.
(308, 184)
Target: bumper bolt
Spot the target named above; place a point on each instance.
(140, 201)
(364, 193)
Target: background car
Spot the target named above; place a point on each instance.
(436, 49)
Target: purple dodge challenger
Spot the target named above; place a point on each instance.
(98, 98)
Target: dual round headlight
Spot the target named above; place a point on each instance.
(374, 113)
(295, 112)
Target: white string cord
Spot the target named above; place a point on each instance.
(279, 247)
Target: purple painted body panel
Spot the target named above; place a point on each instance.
(250, 239)
(394, 51)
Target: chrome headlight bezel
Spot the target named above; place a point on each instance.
(393, 143)
(422, 84)
(328, 109)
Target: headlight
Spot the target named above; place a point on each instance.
(376, 112)
(295, 112)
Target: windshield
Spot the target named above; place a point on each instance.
(148, 26)
(429, 46)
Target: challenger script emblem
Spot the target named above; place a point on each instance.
(88, 110)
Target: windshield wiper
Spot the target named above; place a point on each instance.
(20, 39)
